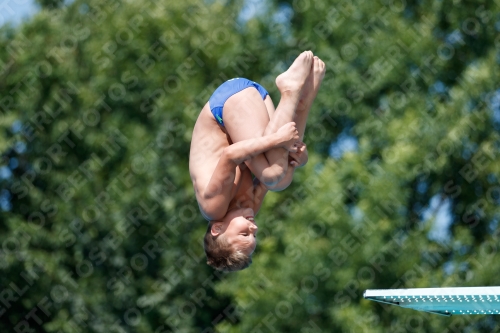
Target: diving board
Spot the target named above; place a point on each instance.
(443, 301)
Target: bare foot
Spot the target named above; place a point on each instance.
(313, 82)
(293, 79)
(300, 157)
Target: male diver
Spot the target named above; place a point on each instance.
(242, 147)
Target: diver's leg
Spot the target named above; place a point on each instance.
(246, 116)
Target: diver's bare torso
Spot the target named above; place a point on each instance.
(207, 144)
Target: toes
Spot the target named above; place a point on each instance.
(308, 55)
(305, 57)
(319, 65)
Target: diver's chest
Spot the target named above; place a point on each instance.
(243, 183)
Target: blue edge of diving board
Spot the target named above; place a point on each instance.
(442, 301)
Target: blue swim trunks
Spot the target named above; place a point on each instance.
(228, 89)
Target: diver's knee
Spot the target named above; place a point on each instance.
(282, 184)
(273, 175)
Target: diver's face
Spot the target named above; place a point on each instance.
(241, 230)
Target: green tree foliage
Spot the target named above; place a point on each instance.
(100, 223)
(100, 230)
(50, 4)
(415, 85)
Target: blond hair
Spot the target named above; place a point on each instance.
(221, 255)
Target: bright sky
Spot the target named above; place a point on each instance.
(14, 11)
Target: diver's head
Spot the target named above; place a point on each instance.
(229, 243)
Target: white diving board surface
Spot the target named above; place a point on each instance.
(443, 301)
